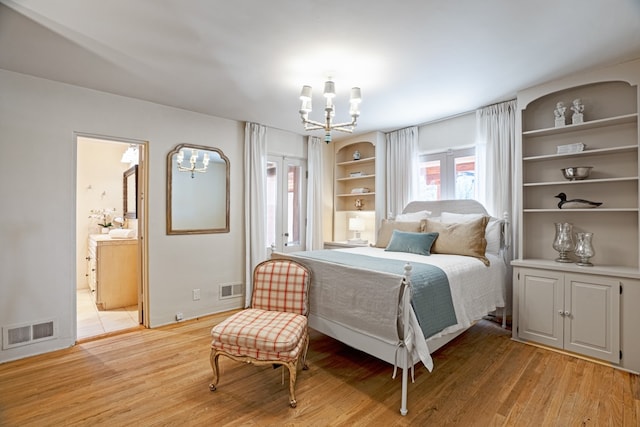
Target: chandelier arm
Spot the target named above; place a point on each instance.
(346, 124)
(312, 124)
(184, 169)
(343, 129)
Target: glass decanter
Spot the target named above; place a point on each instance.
(584, 249)
(563, 242)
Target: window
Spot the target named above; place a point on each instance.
(449, 175)
(286, 203)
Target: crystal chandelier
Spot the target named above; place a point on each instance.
(329, 110)
(192, 162)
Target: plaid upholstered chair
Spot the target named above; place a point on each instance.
(274, 330)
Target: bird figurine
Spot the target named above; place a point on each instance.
(575, 203)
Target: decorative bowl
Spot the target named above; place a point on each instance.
(576, 172)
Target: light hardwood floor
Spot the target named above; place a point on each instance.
(154, 377)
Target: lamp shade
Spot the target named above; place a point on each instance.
(356, 95)
(356, 224)
(305, 94)
(329, 89)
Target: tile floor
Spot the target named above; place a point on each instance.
(93, 322)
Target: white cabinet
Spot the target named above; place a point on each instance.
(113, 271)
(575, 312)
(574, 308)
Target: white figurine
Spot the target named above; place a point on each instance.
(559, 114)
(577, 109)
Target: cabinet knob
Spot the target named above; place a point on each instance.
(566, 313)
(88, 258)
(561, 313)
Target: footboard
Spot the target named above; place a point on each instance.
(380, 323)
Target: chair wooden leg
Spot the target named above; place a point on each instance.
(293, 370)
(213, 359)
(304, 354)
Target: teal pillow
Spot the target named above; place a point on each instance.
(414, 243)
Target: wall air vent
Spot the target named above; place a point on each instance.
(28, 333)
(231, 290)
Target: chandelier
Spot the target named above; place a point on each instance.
(192, 162)
(329, 110)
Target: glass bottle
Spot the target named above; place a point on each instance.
(584, 249)
(563, 242)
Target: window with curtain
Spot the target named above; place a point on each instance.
(447, 175)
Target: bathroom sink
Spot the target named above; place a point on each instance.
(122, 233)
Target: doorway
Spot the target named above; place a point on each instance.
(110, 219)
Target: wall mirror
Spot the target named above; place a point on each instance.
(197, 190)
(130, 192)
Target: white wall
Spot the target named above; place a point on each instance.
(38, 119)
(456, 132)
(288, 144)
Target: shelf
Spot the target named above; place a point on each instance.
(556, 210)
(353, 162)
(355, 194)
(593, 124)
(586, 153)
(352, 178)
(344, 200)
(582, 181)
(603, 270)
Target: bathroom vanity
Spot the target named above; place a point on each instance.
(112, 271)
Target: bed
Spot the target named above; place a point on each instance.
(371, 298)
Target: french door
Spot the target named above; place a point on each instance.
(286, 203)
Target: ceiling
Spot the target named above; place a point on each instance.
(416, 60)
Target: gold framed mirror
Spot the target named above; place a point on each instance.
(197, 190)
(130, 192)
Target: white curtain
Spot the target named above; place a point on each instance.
(402, 168)
(496, 166)
(495, 154)
(255, 204)
(314, 194)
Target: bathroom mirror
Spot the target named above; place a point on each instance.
(130, 192)
(197, 190)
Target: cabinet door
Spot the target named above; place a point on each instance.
(540, 310)
(117, 273)
(592, 316)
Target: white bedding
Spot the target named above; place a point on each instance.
(475, 289)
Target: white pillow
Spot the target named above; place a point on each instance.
(492, 233)
(412, 216)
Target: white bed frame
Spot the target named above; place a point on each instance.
(394, 354)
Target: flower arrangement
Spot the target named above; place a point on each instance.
(103, 215)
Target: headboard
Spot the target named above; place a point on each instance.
(436, 207)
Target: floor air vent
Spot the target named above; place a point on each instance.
(18, 335)
(231, 290)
